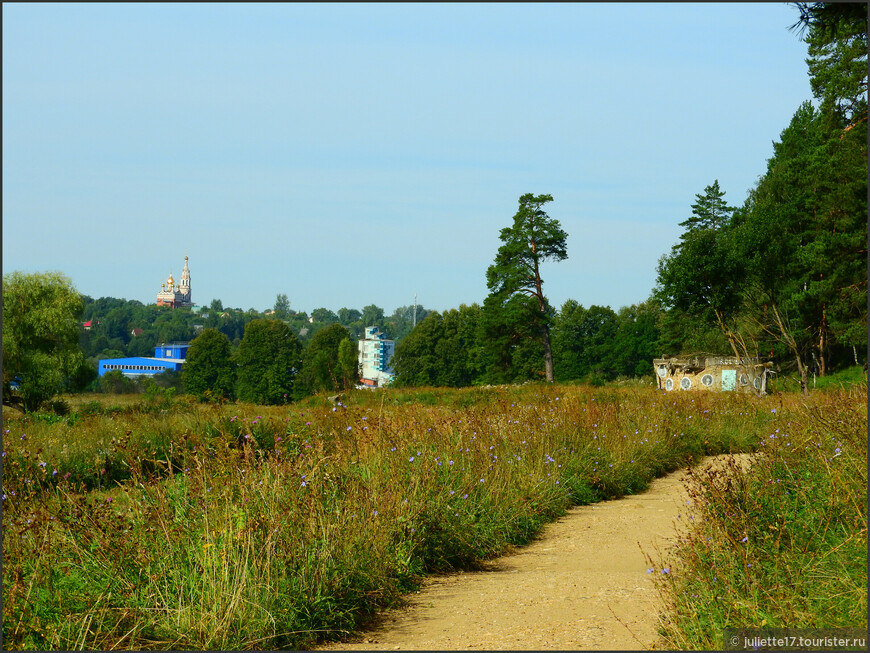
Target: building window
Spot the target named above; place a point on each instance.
(707, 380)
(669, 385)
(685, 383)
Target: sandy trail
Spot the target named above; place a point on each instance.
(582, 585)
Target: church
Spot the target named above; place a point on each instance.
(176, 295)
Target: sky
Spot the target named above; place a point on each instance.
(355, 154)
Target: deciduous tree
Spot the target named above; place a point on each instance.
(41, 314)
(267, 361)
(208, 368)
(322, 364)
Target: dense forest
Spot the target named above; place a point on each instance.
(782, 276)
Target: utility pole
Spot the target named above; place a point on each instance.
(415, 311)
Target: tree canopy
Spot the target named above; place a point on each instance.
(41, 314)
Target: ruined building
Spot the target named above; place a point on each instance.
(717, 373)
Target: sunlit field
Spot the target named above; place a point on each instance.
(161, 523)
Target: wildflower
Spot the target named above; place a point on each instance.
(666, 570)
(649, 571)
(348, 428)
(43, 465)
(745, 539)
(411, 459)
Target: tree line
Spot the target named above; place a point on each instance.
(594, 344)
(48, 349)
(120, 328)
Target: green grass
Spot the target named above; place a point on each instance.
(245, 527)
(854, 377)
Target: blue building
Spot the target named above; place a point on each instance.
(166, 357)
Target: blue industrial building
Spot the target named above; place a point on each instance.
(166, 357)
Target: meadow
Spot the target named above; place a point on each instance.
(160, 523)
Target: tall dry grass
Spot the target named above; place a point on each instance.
(245, 527)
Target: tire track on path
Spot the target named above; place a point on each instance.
(582, 585)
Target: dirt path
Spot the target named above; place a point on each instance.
(582, 585)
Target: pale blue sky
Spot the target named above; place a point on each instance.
(356, 154)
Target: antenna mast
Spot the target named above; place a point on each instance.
(415, 310)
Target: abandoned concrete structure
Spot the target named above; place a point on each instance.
(718, 373)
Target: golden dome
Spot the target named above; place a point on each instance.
(170, 281)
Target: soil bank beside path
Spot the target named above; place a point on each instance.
(582, 585)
